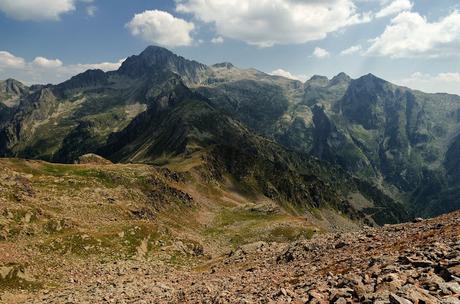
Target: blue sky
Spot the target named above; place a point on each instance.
(414, 43)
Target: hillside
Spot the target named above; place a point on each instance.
(56, 218)
(105, 232)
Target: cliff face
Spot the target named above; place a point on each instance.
(157, 58)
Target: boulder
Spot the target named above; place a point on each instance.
(92, 159)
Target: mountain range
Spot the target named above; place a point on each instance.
(378, 152)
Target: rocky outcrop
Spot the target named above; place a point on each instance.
(16, 276)
(85, 80)
(158, 58)
(11, 91)
(93, 159)
(452, 162)
(35, 109)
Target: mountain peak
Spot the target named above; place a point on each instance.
(88, 78)
(318, 80)
(318, 77)
(340, 78)
(226, 65)
(12, 86)
(156, 50)
(371, 85)
(370, 77)
(155, 58)
(11, 80)
(370, 81)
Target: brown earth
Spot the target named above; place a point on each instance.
(139, 234)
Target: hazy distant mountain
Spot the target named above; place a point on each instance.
(160, 106)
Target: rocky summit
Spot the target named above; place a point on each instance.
(171, 181)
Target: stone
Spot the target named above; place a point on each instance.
(394, 299)
(92, 159)
(455, 271)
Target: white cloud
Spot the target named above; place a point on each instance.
(47, 63)
(410, 34)
(394, 8)
(217, 40)
(8, 60)
(268, 22)
(161, 28)
(320, 53)
(105, 66)
(36, 10)
(284, 73)
(442, 82)
(43, 70)
(351, 50)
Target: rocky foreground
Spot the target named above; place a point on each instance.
(408, 263)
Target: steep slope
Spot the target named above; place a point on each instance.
(156, 58)
(405, 131)
(452, 161)
(405, 136)
(185, 125)
(395, 136)
(61, 122)
(11, 92)
(275, 107)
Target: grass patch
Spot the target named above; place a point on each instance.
(236, 227)
(290, 233)
(14, 276)
(316, 214)
(122, 243)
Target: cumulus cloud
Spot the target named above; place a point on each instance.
(47, 63)
(217, 40)
(161, 28)
(442, 82)
(394, 8)
(8, 60)
(320, 53)
(105, 66)
(410, 34)
(36, 10)
(351, 50)
(44, 70)
(265, 23)
(287, 74)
